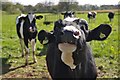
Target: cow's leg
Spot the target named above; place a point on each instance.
(89, 19)
(22, 47)
(27, 51)
(33, 45)
(109, 19)
(94, 19)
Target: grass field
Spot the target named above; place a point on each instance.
(105, 52)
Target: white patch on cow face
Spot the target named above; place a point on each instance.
(74, 30)
(21, 29)
(66, 56)
(31, 17)
(69, 19)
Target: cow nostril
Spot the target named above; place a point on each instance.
(76, 33)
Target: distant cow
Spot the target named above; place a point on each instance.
(27, 32)
(68, 14)
(91, 15)
(68, 54)
(111, 16)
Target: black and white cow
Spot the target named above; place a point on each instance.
(111, 16)
(68, 54)
(68, 14)
(27, 32)
(91, 15)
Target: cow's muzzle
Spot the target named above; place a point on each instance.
(70, 37)
(67, 46)
(32, 29)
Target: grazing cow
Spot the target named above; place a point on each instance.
(27, 31)
(68, 54)
(91, 15)
(111, 16)
(68, 14)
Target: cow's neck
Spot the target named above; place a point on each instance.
(68, 59)
(79, 55)
(67, 53)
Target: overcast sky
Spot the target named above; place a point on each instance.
(81, 2)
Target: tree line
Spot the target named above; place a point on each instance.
(45, 7)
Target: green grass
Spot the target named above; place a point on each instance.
(105, 52)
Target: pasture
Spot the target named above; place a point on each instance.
(105, 52)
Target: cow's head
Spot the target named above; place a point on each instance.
(30, 21)
(68, 14)
(45, 37)
(71, 37)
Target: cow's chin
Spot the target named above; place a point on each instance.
(66, 47)
(66, 56)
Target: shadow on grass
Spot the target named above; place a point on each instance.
(12, 69)
(5, 67)
(43, 51)
(107, 22)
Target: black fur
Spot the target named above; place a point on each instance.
(91, 15)
(111, 15)
(29, 29)
(83, 59)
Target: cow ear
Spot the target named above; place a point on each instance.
(100, 33)
(22, 18)
(73, 12)
(45, 37)
(42, 36)
(39, 17)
